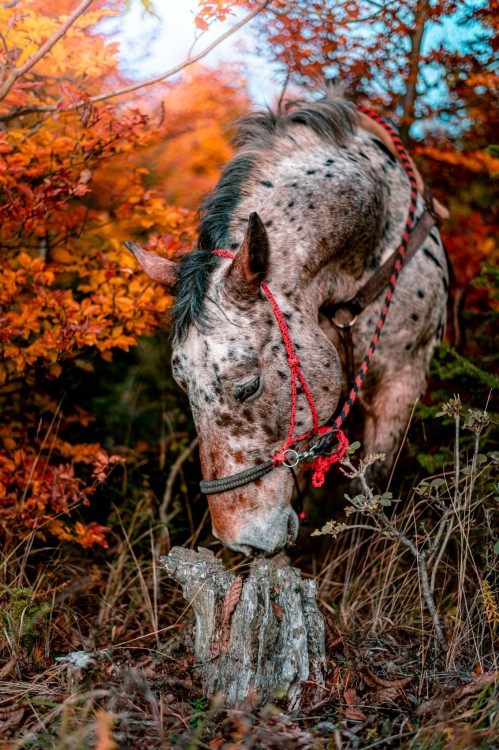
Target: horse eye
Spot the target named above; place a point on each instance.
(244, 392)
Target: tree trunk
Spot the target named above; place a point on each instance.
(253, 636)
(416, 40)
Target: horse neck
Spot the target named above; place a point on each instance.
(334, 268)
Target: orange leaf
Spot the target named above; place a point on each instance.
(201, 23)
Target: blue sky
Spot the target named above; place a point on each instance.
(150, 46)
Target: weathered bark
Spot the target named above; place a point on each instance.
(252, 636)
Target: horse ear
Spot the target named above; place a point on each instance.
(158, 269)
(251, 262)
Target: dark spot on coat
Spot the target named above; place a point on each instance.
(430, 255)
(420, 294)
(266, 183)
(268, 430)
(385, 149)
(414, 316)
(311, 171)
(291, 204)
(225, 419)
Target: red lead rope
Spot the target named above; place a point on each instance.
(323, 463)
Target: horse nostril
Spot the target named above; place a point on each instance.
(259, 553)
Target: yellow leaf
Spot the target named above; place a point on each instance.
(61, 256)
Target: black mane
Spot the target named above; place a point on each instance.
(332, 119)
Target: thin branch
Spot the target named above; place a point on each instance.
(46, 47)
(148, 81)
(186, 63)
(172, 477)
(330, 17)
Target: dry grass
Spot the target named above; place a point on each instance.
(391, 681)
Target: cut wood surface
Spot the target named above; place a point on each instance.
(253, 636)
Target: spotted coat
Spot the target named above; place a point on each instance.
(333, 200)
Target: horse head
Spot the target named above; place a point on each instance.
(234, 366)
(334, 203)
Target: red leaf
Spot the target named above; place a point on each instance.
(201, 23)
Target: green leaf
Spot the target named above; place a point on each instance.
(385, 501)
(496, 548)
(438, 482)
(353, 447)
(481, 459)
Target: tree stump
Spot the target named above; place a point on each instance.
(253, 636)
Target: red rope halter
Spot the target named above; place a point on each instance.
(323, 462)
(296, 374)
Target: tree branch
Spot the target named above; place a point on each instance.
(416, 40)
(16, 73)
(141, 84)
(186, 63)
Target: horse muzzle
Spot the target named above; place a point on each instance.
(263, 538)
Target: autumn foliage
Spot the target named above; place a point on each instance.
(87, 161)
(74, 187)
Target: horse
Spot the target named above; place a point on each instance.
(312, 204)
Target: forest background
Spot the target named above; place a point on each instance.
(98, 465)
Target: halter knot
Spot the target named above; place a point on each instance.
(322, 464)
(294, 361)
(279, 458)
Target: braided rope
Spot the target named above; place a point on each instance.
(396, 269)
(323, 463)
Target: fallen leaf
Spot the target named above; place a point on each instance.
(7, 668)
(475, 685)
(352, 700)
(373, 681)
(388, 696)
(12, 721)
(354, 714)
(431, 706)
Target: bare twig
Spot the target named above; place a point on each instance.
(172, 477)
(389, 528)
(148, 81)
